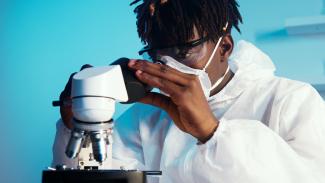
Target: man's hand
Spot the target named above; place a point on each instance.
(66, 101)
(187, 105)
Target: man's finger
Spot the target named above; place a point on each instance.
(85, 67)
(160, 67)
(162, 71)
(161, 83)
(156, 99)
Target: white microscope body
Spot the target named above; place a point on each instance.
(94, 93)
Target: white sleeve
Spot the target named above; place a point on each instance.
(247, 151)
(61, 140)
(127, 145)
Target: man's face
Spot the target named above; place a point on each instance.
(198, 56)
(194, 55)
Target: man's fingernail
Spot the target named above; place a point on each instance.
(132, 63)
(139, 72)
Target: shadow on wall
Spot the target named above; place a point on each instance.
(271, 35)
(281, 35)
(321, 89)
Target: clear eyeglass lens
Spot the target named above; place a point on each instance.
(183, 55)
(178, 54)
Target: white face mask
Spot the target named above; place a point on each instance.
(203, 76)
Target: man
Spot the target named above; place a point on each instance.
(211, 123)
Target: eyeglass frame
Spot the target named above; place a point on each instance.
(189, 45)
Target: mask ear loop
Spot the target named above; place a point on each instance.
(219, 80)
(215, 48)
(212, 55)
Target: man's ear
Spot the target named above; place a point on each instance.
(227, 45)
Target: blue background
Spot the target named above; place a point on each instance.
(42, 42)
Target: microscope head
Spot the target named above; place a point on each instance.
(94, 92)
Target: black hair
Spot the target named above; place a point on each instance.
(173, 21)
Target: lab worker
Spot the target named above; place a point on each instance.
(271, 129)
(222, 116)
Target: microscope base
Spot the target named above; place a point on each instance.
(93, 176)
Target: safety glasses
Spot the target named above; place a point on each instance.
(181, 52)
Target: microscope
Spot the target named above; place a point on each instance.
(94, 93)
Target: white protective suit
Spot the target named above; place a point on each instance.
(272, 130)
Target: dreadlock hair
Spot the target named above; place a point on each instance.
(174, 21)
